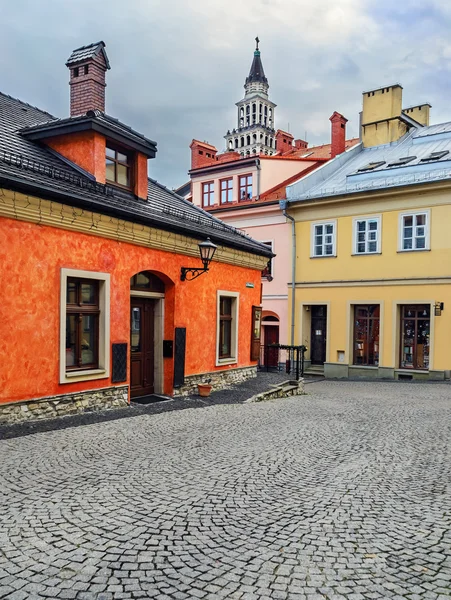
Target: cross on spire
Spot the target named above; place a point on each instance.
(257, 41)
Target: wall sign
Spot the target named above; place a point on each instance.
(249, 285)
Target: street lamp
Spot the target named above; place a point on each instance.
(207, 250)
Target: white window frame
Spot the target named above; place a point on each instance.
(210, 194)
(414, 214)
(103, 370)
(268, 242)
(230, 360)
(332, 222)
(355, 241)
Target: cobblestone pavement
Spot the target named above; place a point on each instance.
(341, 494)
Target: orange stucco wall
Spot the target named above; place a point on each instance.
(86, 149)
(31, 258)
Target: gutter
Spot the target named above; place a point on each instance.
(259, 168)
(283, 205)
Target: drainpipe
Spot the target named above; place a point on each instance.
(257, 164)
(283, 205)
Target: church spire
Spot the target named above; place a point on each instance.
(256, 74)
(255, 133)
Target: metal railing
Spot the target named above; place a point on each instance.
(282, 358)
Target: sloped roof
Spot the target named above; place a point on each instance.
(347, 173)
(256, 73)
(86, 52)
(35, 169)
(93, 119)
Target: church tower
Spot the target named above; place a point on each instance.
(255, 133)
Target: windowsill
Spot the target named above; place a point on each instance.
(366, 253)
(226, 361)
(325, 256)
(85, 375)
(414, 250)
(411, 370)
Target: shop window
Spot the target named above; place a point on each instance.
(208, 193)
(226, 190)
(414, 231)
(84, 325)
(415, 336)
(366, 335)
(246, 187)
(323, 239)
(367, 235)
(118, 167)
(227, 328)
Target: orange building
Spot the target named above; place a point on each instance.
(104, 295)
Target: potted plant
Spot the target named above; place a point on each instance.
(204, 388)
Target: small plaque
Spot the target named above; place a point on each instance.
(249, 285)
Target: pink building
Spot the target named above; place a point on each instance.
(243, 185)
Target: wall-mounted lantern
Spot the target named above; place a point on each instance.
(438, 308)
(207, 250)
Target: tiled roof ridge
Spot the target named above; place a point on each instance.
(95, 114)
(27, 104)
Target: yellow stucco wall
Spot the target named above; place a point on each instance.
(391, 278)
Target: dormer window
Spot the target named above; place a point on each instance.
(118, 167)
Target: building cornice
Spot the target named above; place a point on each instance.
(32, 209)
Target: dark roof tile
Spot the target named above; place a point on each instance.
(86, 52)
(27, 166)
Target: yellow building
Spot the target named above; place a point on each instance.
(373, 260)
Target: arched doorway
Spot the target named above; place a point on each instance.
(147, 292)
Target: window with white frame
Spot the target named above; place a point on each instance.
(367, 235)
(208, 193)
(323, 239)
(84, 325)
(227, 327)
(414, 230)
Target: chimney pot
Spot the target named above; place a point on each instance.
(87, 66)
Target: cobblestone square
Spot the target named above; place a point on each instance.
(341, 494)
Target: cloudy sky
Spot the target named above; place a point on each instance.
(178, 66)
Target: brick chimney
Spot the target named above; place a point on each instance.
(284, 142)
(338, 136)
(202, 154)
(300, 144)
(88, 66)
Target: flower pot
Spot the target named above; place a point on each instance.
(204, 389)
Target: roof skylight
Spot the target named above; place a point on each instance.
(435, 156)
(371, 166)
(401, 161)
(306, 155)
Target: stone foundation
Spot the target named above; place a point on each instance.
(219, 380)
(281, 390)
(66, 404)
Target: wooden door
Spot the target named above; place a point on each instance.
(142, 345)
(272, 337)
(318, 335)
